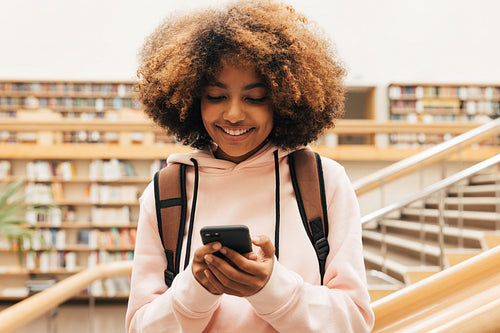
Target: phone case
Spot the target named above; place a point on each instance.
(236, 237)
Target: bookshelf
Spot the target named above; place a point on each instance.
(87, 199)
(87, 215)
(439, 103)
(71, 99)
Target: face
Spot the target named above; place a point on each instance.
(236, 113)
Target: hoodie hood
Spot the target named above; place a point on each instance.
(207, 162)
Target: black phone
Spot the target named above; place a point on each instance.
(236, 237)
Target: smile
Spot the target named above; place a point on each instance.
(235, 132)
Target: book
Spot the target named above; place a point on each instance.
(5, 169)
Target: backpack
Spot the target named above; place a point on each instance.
(171, 204)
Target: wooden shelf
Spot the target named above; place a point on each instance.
(77, 180)
(82, 297)
(27, 273)
(76, 248)
(88, 151)
(84, 225)
(48, 94)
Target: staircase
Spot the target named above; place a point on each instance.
(438, 229)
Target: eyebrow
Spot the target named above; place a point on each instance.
(248, 87)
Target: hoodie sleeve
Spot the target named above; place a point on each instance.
(152, 307)
(342, 304)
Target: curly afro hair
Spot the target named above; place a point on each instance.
(294, 57)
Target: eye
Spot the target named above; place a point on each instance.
(257, 100)
(215, 98)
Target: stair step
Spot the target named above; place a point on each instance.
(433, 228)
(454, 258)
(487, 178)
(377, 278)
(381, 284)
(485, 220)
(396, 257)
(405, 269)
(376, 293)
(492, 240)
(480, 207)
(394, 268)
(415, 276)
(475, 190)
(402, 242)
(470, 238)
(466, 201)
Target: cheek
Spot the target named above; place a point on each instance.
(207, 114)
(269, 121)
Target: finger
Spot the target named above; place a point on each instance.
(241, 262)
(212, 284)
(202, 251)
(265, 244)
(236, 282)
(206, 281)
(251, 256)
(231, 280)
(227, 273)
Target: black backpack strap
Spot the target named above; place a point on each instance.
(171, 206)
(308, 183)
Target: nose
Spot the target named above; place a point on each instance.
(234, 113)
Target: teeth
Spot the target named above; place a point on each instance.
(235, 132)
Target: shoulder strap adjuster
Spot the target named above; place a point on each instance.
(322, 248)
(169, 277)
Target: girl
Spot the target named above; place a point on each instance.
(246, 85)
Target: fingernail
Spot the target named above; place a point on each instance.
(256, 239)
(216, 246)
(208, 258)
(223, 251)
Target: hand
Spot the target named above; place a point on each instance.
(245, 275)
(199, 267)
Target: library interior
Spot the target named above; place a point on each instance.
(419, 141)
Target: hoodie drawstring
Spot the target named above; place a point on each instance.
(277, 195)
(195, 196)
(191, 217)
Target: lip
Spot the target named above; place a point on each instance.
(230, 137)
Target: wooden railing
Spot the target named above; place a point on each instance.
(20, 314)
(463, 298)
(430, 156)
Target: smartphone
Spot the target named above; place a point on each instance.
(236, 237)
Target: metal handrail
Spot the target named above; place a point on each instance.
(426, 157)
(431, 189)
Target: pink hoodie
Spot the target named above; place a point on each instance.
(292, 300)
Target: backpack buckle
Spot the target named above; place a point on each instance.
(169, 277)
(322, 248)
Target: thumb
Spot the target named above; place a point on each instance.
(265, 244)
